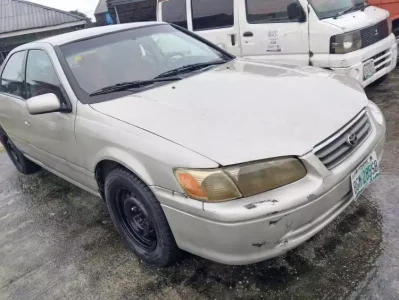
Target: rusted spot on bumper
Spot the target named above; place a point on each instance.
(258, 245)
(256, 204)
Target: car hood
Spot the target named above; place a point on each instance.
(245, 111)
(359, 19)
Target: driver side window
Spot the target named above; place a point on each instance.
(41, 77)
(12, 79)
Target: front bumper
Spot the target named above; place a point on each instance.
(260, 227)
(384, 53)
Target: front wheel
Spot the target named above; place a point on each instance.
(139, 218)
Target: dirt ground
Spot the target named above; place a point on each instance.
(58, 242)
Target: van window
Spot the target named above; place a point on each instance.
(174, 11)
(267, 11)
(211, 14)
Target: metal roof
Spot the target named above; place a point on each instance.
(101, 7)
(70, 37)
(17, 15)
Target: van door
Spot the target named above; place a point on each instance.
(218, 22)
(268, 33)
(173, 11)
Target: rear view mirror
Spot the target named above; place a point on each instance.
(295, 12)
(43, 104)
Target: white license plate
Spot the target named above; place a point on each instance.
(364, 175)
(368, 69)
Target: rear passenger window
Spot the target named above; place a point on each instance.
(40, 75)
(268, 11)
(12, 79)
(174, 11)
(212, 14)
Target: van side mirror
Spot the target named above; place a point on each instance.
(43, 104)
(295, 12)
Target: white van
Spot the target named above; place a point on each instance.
(347, 36)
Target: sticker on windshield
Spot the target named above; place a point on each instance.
(273, 43)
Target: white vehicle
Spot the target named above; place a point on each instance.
(347, 36)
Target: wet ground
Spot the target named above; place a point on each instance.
(58, 242)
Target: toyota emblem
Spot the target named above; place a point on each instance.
(352, 140)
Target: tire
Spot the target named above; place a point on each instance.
(23, 165)
(139, 218)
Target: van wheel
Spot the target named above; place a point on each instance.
(23, 165)
(139, 218)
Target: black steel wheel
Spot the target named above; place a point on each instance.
(139, 218)
(136, 220)
(23, 165)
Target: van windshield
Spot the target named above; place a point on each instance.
(330, 8)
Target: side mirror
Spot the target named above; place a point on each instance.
(43, 104)
(295, 12)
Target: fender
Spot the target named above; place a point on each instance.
(125, 159)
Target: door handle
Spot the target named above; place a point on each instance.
(248, 34)
(27, 123)
(233, 39)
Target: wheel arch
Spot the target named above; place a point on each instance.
(104, 164)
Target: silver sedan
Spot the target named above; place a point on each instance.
(191, 148)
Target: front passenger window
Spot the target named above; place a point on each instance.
(268, 11)
(41, 77)
(12, 79)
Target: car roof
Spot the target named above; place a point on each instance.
(90, 32)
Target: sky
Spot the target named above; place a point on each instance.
(86, 6)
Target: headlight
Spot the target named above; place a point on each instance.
(345, 43)
(377, 113)
(245, 180)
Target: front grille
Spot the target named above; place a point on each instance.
(338, 149)
(382, 60)
(375, 33)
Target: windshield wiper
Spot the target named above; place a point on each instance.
(131, 85)
(188, 68)
(353, 7)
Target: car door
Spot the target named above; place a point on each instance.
(268, 33)
(13, 110)
(51, 134)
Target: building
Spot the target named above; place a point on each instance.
(23, 22)
(126, 11)
(103, 17)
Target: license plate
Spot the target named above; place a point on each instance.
(368, 69)
(364, 175)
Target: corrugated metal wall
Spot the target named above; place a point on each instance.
(18, 15)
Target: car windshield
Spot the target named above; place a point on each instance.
(137, 55)
(330, 8)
